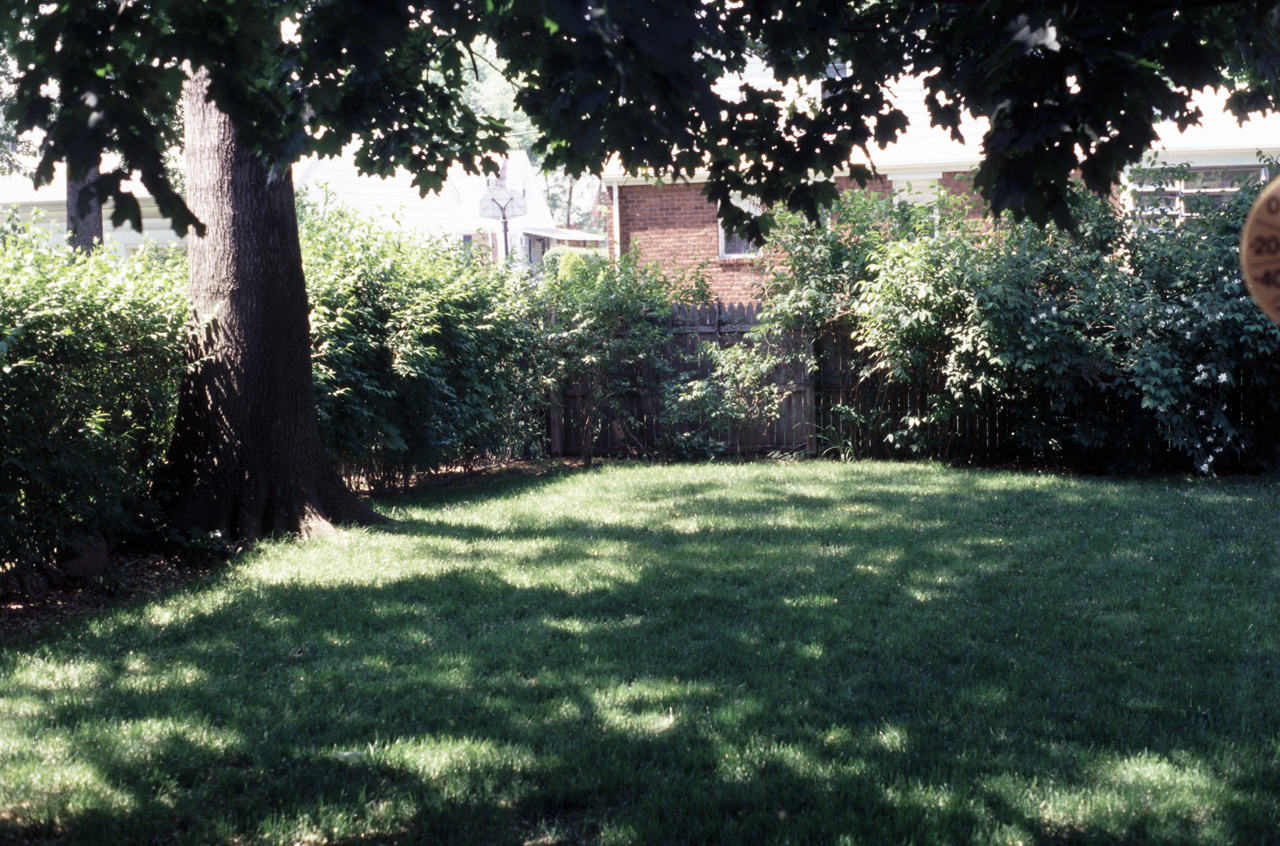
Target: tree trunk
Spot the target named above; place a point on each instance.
(84, 230)
(246, 458)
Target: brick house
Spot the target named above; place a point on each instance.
(672, 223)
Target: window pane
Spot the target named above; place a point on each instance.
(736, 245)
(1221, 178)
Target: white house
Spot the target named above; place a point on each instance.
(453, 211)
(48, 205)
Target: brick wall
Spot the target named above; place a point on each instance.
(960, 184)
(674, 225)
(878, 185)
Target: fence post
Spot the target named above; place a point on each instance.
(811, 405)
(555, 422)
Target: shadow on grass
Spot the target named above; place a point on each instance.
(925, 668)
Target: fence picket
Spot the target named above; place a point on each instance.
(810, 421)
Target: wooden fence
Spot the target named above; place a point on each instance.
(833, 409)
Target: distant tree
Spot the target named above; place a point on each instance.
(574, 200)
(1065, 86)
(490, 92)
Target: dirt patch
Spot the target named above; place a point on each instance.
(150, 575)
(127, 577)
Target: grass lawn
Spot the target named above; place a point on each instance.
(743, 653)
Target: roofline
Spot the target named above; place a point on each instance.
(935, 168)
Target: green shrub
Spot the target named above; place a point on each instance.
(425, 351)
(1116, 347)
(561, 256)
(571, 264)
(1032, 340)
(608, 334)
(738, 399)
(812, 285)
(90, 361)
(1191, 341)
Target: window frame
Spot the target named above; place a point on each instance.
(749, 250)
(727, 241)
(1177, 192)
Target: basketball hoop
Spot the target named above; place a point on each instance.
(503, 204)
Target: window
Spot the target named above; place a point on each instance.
(1202, 188)
(735, 246)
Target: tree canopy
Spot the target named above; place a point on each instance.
(1066, 86)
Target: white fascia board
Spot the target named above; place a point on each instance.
(917, 175)
(914, 171)
(1215, 156)
(925, 149)
(614, 178)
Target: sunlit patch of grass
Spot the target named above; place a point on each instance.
(1138, 797)
(733, 653)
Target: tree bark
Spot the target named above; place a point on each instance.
(568, 206)
(83, 230)
(246, 458)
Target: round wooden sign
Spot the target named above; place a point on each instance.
(1260, 251)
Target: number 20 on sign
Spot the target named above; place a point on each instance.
(1260, 251)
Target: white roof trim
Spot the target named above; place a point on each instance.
(557, 234)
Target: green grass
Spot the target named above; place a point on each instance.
(804, 653)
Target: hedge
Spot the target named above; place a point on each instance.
(90, 360)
